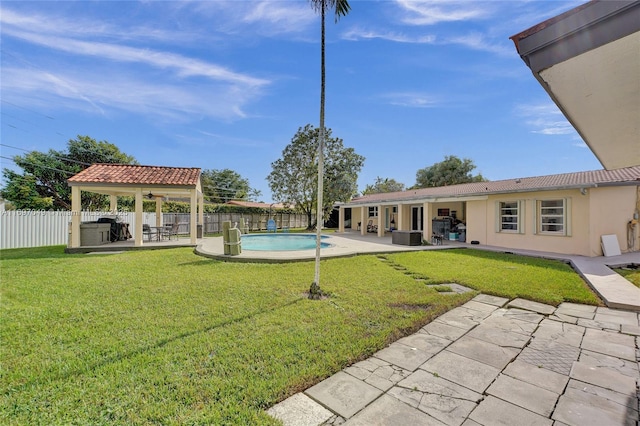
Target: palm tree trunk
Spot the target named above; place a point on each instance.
(315, 292)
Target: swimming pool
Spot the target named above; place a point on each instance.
(280, 242)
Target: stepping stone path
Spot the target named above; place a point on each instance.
(446, 288)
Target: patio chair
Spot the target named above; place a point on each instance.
(170, 230)
(271, 225)
(371, 227)
(147, 232)
(436, 239)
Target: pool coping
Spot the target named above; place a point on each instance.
(341, 246)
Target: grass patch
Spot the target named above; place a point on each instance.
(632, 274)
(167, 337)
(500, 274)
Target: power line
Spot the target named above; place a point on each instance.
(39, 165)
(50, 155)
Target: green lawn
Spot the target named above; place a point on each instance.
(168, 337)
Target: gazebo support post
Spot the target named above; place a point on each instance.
(76, 206)
(137, 237)
(193, 217)
(113, 204)
(158, 211)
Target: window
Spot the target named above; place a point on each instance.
(552, 217)
(509, 214)
(373, 211)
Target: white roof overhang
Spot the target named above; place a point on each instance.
(588, 61)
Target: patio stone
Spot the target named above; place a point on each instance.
(575, 310)
(563, 318)
(499, 337)
(540, 377)
(523, 315)
(443, 330)
(300, 410)
(478, 306)
(461, 318)
(617, 397)
(607, 362)
(550, 355)
(599, 325)
(493, 411)
(390, 411)
(343, 394)
(617, 316)
(528, 305)
(630, 329)
(510, 323)
(379, 374)
(491, 300)
(461, 370)
(426, 343)
(440, 398)
(487, 353)
(524, 395)
(406, 357)
(604, 378)
(566, 334)
(585, 409)
(608, 343)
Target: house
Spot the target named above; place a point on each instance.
(588, 61)
(565, 213)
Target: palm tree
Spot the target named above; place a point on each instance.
(341, 8)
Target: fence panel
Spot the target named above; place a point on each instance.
(35, 228)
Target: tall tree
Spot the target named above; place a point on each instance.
(341, 8)
(43, 184)
(221, 186)
(382, 186)
(293, 176)
(451, 171)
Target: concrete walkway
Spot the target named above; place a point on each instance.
(490, 362)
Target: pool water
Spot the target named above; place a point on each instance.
(280, 242)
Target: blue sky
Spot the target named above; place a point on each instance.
(226, 84)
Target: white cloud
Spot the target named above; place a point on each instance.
(133, 95)
(411, 99)
(430, 12)
(545, 119)
(355, 34)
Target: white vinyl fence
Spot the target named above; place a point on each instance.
(36, 228)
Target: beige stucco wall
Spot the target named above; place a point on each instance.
(611, 209)
(600, 211)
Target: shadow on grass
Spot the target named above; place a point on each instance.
(48, 252)
(520, 259)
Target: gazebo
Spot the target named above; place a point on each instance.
(153, 182)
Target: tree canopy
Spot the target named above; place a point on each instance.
(451, 171)
(43, 183)
(221, 186)
(382, 186)
(293, 177)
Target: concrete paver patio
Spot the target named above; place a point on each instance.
(490, 362)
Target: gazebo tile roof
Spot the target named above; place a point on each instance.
(540, 183)
(128, 174)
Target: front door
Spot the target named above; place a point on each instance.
(416, 218)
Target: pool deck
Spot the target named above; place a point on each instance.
(616, 291)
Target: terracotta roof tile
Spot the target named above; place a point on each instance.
(127, 174)
(540, 183)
